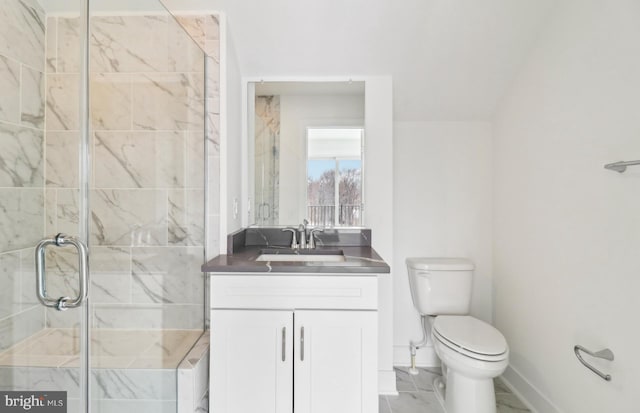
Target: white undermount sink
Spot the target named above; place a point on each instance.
(301, 258)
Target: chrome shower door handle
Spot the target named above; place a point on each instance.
(62, 303)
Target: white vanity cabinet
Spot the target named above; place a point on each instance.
(252, 362)
(294, 343)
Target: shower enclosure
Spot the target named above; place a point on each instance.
(104, 128)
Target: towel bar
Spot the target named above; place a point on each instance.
(621, 166)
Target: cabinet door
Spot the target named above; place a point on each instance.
(251, 361)
(336, 364)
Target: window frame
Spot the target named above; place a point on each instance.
(336, 171)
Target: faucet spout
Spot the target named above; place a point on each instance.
(302, 231)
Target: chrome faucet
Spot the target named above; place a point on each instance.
(302, 231)
(299, 237)
(294, 238)
(312, 237)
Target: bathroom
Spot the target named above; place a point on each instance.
(494, 121)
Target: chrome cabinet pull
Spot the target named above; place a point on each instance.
(284, 343)
(62, 303)
(302, 343)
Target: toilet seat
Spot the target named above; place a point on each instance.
(471, 337)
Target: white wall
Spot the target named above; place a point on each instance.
(378, 212)
(567, 231)
(442, 207)
(296, 113)
(232, 124)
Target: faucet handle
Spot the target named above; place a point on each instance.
(294, 237)
(312, 237)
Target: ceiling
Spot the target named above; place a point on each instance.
(450, 59)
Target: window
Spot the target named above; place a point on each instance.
(334, 155)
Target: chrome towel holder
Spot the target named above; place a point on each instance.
(621, 166)
(602, 354)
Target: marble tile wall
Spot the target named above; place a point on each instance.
(205, 31)
(148, 154)
(267, 160)
(22, 51)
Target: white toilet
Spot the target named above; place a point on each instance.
(472, 352)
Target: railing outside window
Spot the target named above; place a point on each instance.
(324, 215)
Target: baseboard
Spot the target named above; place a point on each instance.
(527, 392)
(425, 357)
(387, 383)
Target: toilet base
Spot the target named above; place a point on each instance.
(439, 389)
(459, 394)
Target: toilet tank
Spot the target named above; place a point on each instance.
(440, 286)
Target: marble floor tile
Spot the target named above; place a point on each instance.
(424, 380)
(415, 402)
(383, 405)
(416, 394)
(500, 387)
(404, 382)
(509, 403)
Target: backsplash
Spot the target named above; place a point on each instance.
(345, 237)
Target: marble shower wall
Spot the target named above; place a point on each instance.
(205, 31)
(147, 198)
(22, 50)
(267, 160)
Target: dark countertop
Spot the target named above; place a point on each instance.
(358, 260)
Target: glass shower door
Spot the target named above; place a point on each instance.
(42, 318)
(135, 213)
(147, 80)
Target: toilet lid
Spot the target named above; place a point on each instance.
(471, 334)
